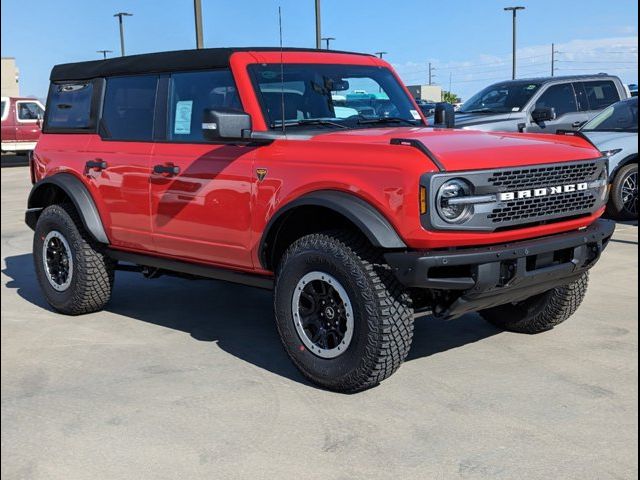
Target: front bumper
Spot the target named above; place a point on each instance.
(489, 276)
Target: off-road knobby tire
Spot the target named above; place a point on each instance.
(93, 272)
(542, 312)
(383, 316)
(615, 207)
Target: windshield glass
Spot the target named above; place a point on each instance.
(619, 117)
(501, 98)
(332, 96)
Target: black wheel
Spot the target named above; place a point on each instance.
(542, 312)
(73, 274)
(344, 320)
(623, 204)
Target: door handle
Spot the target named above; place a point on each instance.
(97, 164)
(166, 169)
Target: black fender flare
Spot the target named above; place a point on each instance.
(364, 216)
(633, 158)
(80, 197)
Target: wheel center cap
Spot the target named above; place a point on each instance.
(330, 313)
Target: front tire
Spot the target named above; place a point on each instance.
(344, 320)
(623, 204)
(542, 312)
(75, 277)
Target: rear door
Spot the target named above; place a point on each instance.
(562, 98)
(8, 124)
(596, 95)
(201, 211)
(124, 147)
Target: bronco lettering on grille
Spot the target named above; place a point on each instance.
(543, 192)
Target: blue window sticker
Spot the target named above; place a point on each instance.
(182, 125)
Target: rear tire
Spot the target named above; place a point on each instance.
(381, 320)
(542, 312)
(74, 275)
(623, 204)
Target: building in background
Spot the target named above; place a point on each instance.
(429, 93)
(10, 85)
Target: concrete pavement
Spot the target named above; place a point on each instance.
(187, 379)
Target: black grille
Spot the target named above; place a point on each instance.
(548, 176)
(532, 208)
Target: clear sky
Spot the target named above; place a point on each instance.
(468, 41)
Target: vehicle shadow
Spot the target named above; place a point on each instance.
(238, 318)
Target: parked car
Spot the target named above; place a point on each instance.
(233, 164)
(615, 132)
(540, 105)
(633, 89)
(21, 122)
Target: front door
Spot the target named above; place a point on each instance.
(201, 192)
(562, 98)
(29, 115)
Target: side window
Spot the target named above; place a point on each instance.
(560, 97)
(29, 111)
(128, 109)
(600, 94)
(190, 93)
(69, 106)
(4, 111)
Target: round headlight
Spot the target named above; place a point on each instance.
(449, 208)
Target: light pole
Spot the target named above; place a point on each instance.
(104, 53)
(514, 11)
(197, 11)
(120, 15)
(327, 40)
(318, 26)
(381, 54)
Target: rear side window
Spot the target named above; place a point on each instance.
(599, 94)
(128, 109)
(190, 93)
(3, 110)
(560, 97)
(69, 106)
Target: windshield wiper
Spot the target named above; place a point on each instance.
(373, 121)
(481, 110)
(307, 121)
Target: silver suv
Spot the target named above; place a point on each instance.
(540, 105)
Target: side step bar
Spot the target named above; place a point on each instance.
(198, 270)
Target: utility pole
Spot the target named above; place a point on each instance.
(197, 11)
(431, 74)
(104, 53)
(381, 54)
(120, 15)
(318, 26)
(514, 11)
(328, 39)
(553, 59)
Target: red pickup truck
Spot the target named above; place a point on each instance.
(21, 122)
(240, 165)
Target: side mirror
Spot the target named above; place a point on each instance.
(225, 124)
(39, 119)
(543, 114)
(445, 115)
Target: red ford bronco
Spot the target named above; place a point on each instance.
(315, 174)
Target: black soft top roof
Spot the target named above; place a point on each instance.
(160, 62)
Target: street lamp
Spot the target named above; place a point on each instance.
(104, 53)
(514, 11)
(380, 54)
(328, 39)
(120, 15)
(318, 26)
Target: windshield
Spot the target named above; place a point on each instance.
(501, 98)
(619, 117)
(332, 96)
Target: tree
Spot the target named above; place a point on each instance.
(450, 97)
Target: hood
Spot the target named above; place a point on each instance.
(459, 150)
(470, 119)
(613, 140)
